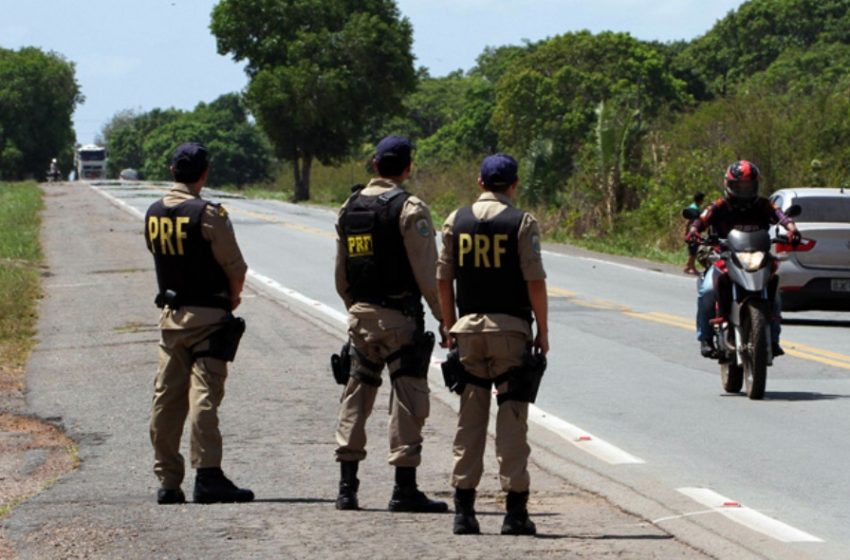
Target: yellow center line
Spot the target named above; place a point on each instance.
(275, 220)
(796, 349)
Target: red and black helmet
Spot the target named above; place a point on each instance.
(742, 181)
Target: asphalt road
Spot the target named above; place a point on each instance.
(625, 368)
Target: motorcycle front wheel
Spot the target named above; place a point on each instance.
(754, 329)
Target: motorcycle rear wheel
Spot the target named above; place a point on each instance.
(754, 328)
(731, 376)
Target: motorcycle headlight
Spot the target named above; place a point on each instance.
(751, 260)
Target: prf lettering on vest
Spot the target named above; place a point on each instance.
(360, 245)
(161, 230)
(486, 252)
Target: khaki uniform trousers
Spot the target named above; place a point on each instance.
(488, 355)
(185, 386)
(376, 335)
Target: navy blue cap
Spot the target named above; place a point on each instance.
(190, 159)
(397, 148)
(498, 170)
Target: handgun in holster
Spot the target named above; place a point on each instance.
(341, 364)
(224, 342)
(415, 357)
(454, 374)
(524, 381)
(169, 298)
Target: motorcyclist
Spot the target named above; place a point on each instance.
(743, 209)
(54, 170)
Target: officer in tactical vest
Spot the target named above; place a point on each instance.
(385, 264)
(200, 272)
(490, 266)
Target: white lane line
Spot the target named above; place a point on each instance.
(748, 517)
(117, 201)
(580, 438)
(589, 443)
(298, 296)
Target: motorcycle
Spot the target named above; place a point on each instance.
(743, 340)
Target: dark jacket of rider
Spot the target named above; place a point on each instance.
(722, 217)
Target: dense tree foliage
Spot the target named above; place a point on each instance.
(239, 153)
(320, 71)
(38, 95)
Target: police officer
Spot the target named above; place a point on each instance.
(490, 266)
(200, 272)
(385, 264)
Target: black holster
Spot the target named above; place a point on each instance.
(523, 381)
(415, 357)
(341, 364)
(224, 342)
(454, 374)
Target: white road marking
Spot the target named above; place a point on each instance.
(298, 296)
(748, 517)
(117, 201)
(589, 443)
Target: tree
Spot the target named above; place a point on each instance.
(548, 98)
(38, 95)
(319, 71)
(239, 153)
(751, 38)
(125, 133)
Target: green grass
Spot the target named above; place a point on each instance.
(20, 256)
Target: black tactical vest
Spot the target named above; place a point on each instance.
(183, 258)
(376, 263)
(487, 268)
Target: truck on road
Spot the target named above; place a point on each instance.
(90, 162)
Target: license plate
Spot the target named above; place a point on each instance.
(840, 284)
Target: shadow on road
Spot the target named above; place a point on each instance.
(790, 396)
(607, 537)
(793, 396)
(842, 323)
(295, 500)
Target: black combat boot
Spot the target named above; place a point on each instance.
(348, 485)
(465, 522)
(407, 497)
(211, 486)
(516, 520)
(170, 496)
(706, 348)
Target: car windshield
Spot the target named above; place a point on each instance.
(824, 209)
(93, 155)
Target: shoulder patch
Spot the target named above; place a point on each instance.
(535, 244)
(222, 213)
(423, 227)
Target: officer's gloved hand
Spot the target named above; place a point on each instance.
(796, 237)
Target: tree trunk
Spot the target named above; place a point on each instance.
(301, 168)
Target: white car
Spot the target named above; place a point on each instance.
(816, 274)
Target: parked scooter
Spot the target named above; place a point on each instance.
(743, 339)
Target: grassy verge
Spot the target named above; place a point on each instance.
(452, 186)
(20, 256)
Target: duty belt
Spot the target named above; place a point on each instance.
(176, 301)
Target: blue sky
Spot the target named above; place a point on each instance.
(142, 54)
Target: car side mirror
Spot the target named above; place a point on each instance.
(690, 214)
(793, 211)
